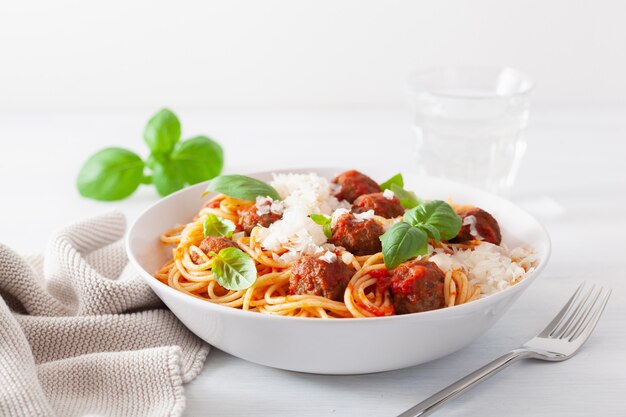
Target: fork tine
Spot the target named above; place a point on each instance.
(557, 319)
(585, 313)
(585, 331)
(573, 314)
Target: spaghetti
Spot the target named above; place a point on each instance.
(365, 295)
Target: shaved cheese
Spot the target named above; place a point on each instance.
(347, 258)
(285, 258)
(302, 195)
(261, 200)
(336, 214)
(330, 247)
(490, 267)
(471, 222)
(361, 217)
(263, 210)
(388, 194)
(329, 257)
(277, 207)
(265, 205)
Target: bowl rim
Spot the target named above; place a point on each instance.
(441, 313)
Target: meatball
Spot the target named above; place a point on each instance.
(417, 286)
(314, 276)
(381, 205)
(213, 244)
(359, 237)
(478, 225)
(249, 218)
(354, 184)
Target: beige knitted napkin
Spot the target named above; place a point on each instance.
(82, 334)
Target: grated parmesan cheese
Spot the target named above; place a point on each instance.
(336, 214)
(329, 257)
(347, 258)
(265, 205)
(361, 217)
(471, 222)
(302, 195)
(388, 194)
(492, 268)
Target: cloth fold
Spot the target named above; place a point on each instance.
(82, 334)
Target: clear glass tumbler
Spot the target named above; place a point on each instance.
(470, 124)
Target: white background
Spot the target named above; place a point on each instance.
(322, 83)
(73, 54)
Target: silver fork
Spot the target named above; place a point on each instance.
(559, 341)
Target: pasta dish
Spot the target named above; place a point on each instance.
(303, 245)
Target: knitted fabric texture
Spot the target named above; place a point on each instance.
(81, 333)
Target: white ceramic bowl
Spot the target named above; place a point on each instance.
(342, 346)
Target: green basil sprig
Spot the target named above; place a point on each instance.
(409, 238)
(323, 221)
(216, 226)
(233, 269)
(115, 173)
(436, 218)
(241, 187)
(408, 199)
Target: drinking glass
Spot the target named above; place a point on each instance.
(470, 124)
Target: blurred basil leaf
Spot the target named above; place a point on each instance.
(408, 199)
(396, 179)
(199, 159)
(162, 132)
(166, 177)
(110, 174)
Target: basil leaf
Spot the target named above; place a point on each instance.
(242, 187)
(431, 231)
(437, 214)
(408, 199)
(198, 159)
(328, 231)
(233, 269)
(402, 242)
(110, 174)
(396, 179)
(162, 132)
(154, 159)
(216, 226)
(166, 177)
(323, 221)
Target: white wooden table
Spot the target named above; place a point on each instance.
(573, 179)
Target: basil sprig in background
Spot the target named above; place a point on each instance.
(409, 238)
(115, 173)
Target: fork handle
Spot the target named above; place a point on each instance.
(435, 401)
